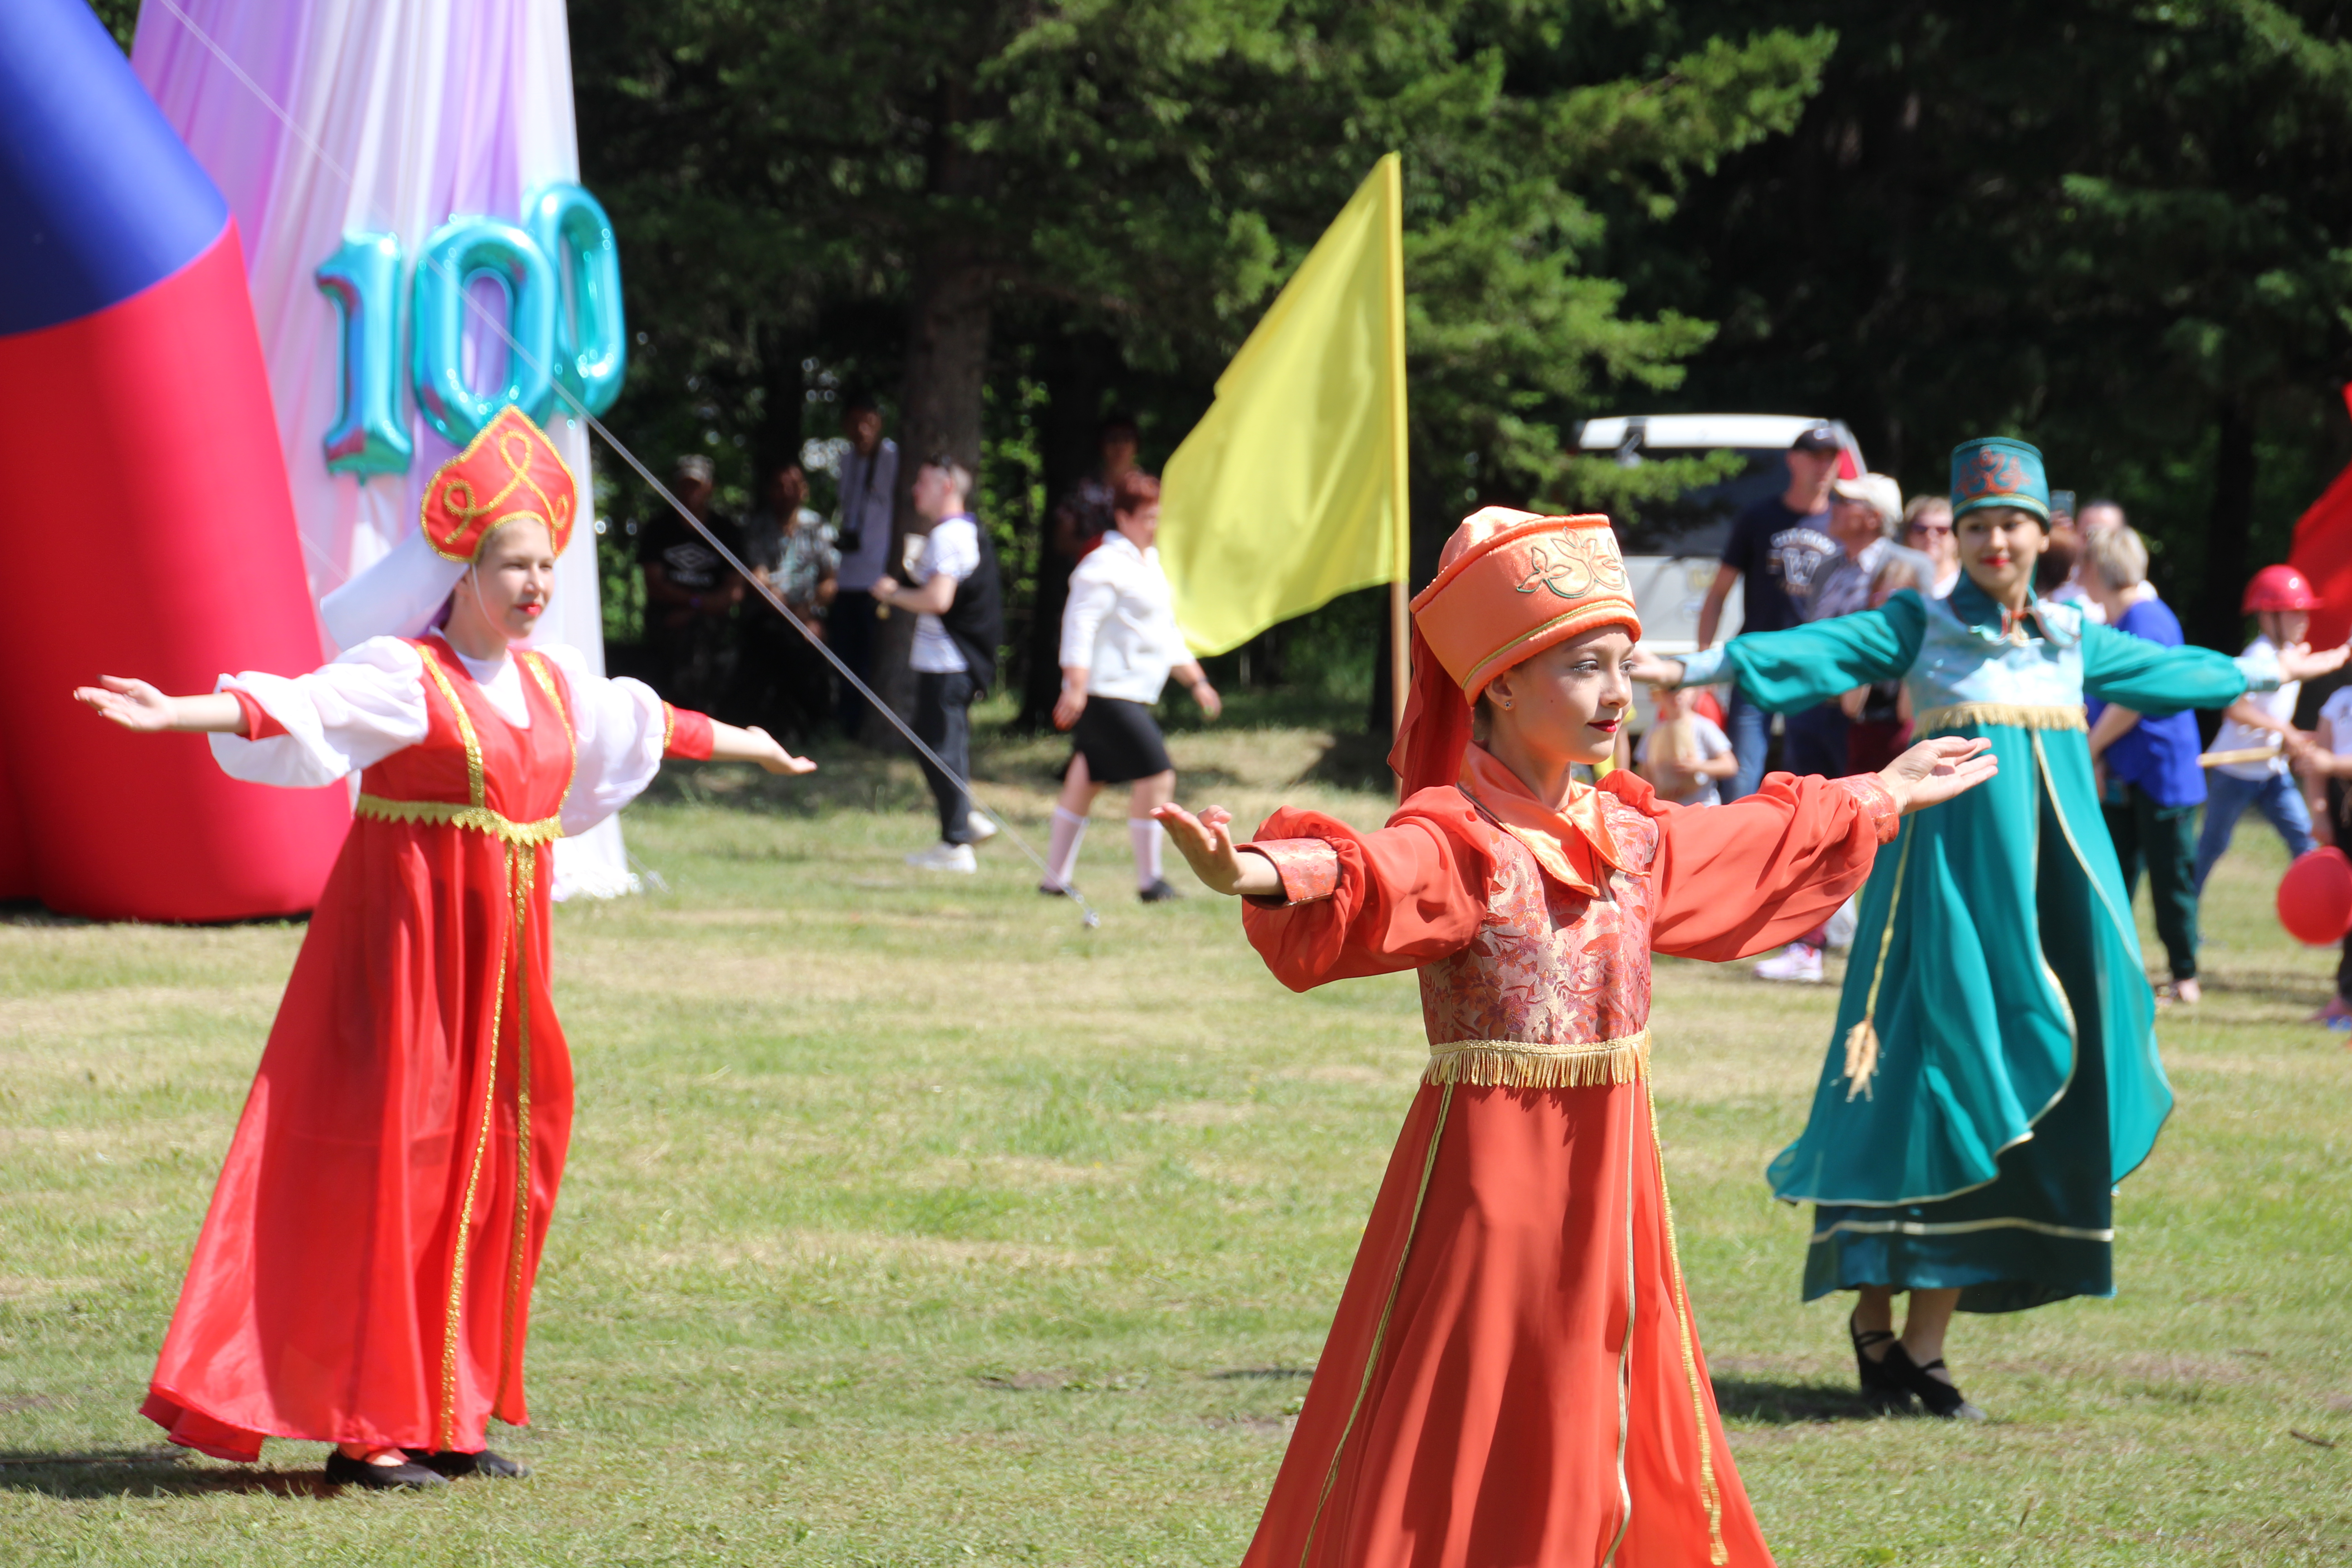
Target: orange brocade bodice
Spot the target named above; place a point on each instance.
(1551, 967)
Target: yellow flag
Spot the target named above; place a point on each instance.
(1291, 489)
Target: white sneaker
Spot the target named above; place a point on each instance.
(983, 827)
(1797, 962)
(944, 857)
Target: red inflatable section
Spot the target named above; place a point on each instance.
(2323, 553)
(150, 533)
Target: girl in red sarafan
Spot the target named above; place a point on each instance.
(1513, 1376)
(363, 1275)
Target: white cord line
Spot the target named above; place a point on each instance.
(971, 802)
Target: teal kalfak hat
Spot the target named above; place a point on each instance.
(1991, 471)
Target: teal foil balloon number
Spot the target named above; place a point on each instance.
(369, 436)
(592, 353)
(460, 251)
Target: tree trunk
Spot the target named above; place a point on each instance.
(2227, 529)
(946, 364)
(1075, 375)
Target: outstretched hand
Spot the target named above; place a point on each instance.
(1206, 842)
(134, 704)
(2297, 662)
(775, 758)
(1654, 669)
(1933, 771)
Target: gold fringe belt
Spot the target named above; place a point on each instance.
(480, 818)
(1517, 1063)
(1987, 715)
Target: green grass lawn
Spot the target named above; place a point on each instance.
(908, 1222)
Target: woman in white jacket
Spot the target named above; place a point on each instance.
(1119, 645)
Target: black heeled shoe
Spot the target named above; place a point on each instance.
(1881, 1391)
(1940, 1399)
(454, 1464)
(342, 1470)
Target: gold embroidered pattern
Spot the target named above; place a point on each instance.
(1516, 1064)
(521, 863)
(1989, 715)
(453, 489)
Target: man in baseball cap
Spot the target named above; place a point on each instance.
(1778, 547)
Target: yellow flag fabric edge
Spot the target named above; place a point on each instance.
(1400, 585)
(1233, 500)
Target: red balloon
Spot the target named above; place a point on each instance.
(2315, 898)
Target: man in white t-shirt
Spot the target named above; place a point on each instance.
(959, 623)
(2282, 600)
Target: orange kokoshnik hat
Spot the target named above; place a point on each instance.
(510, 473)
(1509, 584)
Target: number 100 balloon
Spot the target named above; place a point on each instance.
(558, 324)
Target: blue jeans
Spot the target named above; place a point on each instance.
(2226, 799)
(1751, 737)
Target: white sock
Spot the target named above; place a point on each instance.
(1062, 853)
(1146, 835)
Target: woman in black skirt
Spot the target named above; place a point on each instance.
(1119, 645)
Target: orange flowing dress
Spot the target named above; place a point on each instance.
(1513, 1377)
(364, 1272)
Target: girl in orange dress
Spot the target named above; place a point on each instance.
(1514, 1376)
(363, 1275)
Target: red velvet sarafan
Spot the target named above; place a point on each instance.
(364, 1272)
(1514, 1373)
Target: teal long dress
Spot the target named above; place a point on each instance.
(2016, 1077)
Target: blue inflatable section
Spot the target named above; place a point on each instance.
(99, 198)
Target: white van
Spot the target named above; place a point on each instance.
(1673, 548)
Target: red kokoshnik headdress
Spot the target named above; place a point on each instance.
(1509, 584)
(510, 473)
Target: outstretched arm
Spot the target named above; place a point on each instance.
(1790, 670)
(730, 744)
(138, 707)
(1206, 842)
(1733, 880)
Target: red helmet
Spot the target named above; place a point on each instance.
(2279, 588)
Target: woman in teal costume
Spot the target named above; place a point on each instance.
(1994, 1071)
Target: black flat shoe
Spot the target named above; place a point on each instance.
(345, 1471)
(1051, 891)
(1881, 1391)
(450, 1463)
(1939, 1398)
(1159, 892)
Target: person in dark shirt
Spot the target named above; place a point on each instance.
(2150, 782)
(1778, 547)
(690, 592)
(1083, 518)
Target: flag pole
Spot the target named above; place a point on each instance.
(1400, 501)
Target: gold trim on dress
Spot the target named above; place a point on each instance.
(476, 789)
(453, 1319)
(1994, 715)
(481, 819)
(1380, 1330)
(1678, 1302)
(1522, 1064)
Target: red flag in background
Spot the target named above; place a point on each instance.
(2323, 553)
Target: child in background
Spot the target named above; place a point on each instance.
(2281, 600)
(1685, 756)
